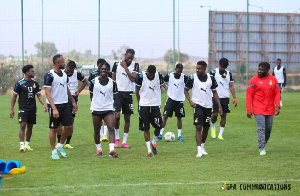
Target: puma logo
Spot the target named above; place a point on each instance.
(152, 88)
(203, 89)
(103, 93)
(124, 74)
(221, 83)
(62, 84)
(177, 85)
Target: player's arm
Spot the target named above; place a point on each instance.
(129, 74)
(50, 100)
(115, 90)
(277, 98)
(284, 75)
(12, 104)
(41, 100)
(138, 81)
(91, 88)
(162, 81)
(114, 71)
(189, 85)
(232, 90)
(70, 97)
(84, 81)
(249, 97)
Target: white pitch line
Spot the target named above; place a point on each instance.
(147, 184)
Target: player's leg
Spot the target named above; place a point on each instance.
(198, 137)
(58, 134)
(126, 130)
(22, 135)
(118, 106)
(109, 120)
(97, 121)
(168, 112)
(69, 137)
(28, 136)
(156, 121)
(214, 118)
(222, 126)
(144, 125)
(261, 134)
(179, 113)
(269, 125)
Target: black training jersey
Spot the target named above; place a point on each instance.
(95, 73)
(190, 83)
(27, 91)
(167, 76)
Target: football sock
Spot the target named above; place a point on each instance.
(199, 148)
(179, 132)
(221, 130)
(202, 145)
(26, 143)
(21, 143)
(105, 130)
(58, 138)
(213, 125)
(280, 102)
(98, 146)
(68, 139)
(101, 131)
(125, 138)
(117, 136)
(154, 139)
(148, 146)
(162, 131)
(54, 151)
(111, 146)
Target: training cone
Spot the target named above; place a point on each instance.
(15, 171)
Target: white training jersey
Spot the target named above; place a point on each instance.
(123, 81)
(176, 87)
(201, 91)
(73, 83)
(150, 93)
(223, 84)
(279, 74)
(103, 98)
(59, 88)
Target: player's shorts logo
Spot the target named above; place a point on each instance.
(196, 120)
(52, 125)
(20, 119)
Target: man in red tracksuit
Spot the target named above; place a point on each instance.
(263, 100)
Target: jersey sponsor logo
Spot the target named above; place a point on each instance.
(177, 85)
(203, 89)
(270, 82)
(124, 74)
(221, 83)
(62, 84)
(152, 88)
(103, 93)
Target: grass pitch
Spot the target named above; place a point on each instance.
(173, 171)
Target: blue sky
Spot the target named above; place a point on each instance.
(145, 25)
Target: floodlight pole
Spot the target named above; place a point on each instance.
(99, 29)
(42, 32)
(247, 59)
(174, 58)
(22, 34)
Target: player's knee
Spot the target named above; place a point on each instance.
(117, 118)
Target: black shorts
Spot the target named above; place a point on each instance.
(224, 103)
(103, 114)
(27, 117)
(65, 116)
(174, 106)
(71, 105)
(124, 102)
(202, 116)
(149, 114)
(280, 86)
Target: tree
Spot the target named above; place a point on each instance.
(49, 49)
(7, 74)
(120, 52)
(74, 55)
(168, 57)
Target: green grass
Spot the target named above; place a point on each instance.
(174, 171)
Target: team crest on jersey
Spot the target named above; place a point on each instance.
(270, 82)
(196, 120)
(34, 86)
(20, 119)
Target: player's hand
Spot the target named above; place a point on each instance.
(76, 93)
(235, 102)
(220, 111)
(45, 108)
(75, 107)
(55, 113)
(193, 105)
(277, 111)
(123, 64)
(12, 113)
(249, 114)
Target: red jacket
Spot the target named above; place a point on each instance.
(263, 94)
